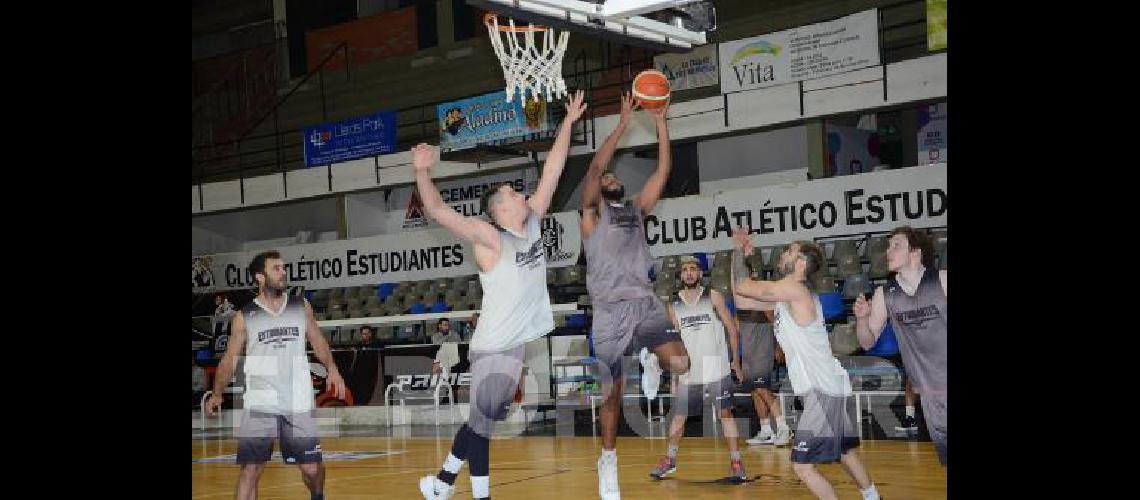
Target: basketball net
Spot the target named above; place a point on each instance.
(529, 68)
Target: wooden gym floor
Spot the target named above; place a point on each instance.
(545, 468)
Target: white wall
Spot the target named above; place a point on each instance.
(752, 154)
(754, 181)
(229, 232)
(366, 214)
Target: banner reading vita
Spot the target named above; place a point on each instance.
(487, 118)
(802, 53)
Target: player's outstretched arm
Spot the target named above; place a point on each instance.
(471, 229)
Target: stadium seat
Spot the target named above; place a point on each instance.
(887, 344)
(824, 284)
(854, 285)
(832, 303)
(843, 340)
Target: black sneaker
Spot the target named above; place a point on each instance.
(909, 424)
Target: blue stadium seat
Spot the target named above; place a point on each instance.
(832, 305)
(417, 308)
(385, 289)
(439, 306)
(887, 345)
(576, 321)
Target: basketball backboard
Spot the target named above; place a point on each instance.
(667, 25)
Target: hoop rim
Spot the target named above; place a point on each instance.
(508, 29)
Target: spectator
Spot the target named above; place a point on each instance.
(368, 337)
(444, 334)
(467, 329)
(224, 308)
(198, 381)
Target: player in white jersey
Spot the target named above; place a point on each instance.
(272, 331)
(515, 308)
(702, 318)
(826, 431)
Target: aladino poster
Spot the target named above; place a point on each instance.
(487, 118)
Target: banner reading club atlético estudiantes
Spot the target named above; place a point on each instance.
(387, 258)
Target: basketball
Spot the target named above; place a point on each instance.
(651, 89)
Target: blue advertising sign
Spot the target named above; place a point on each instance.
(487, 118)
(350, 139)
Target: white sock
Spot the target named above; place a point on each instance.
(609, 454)
(870, 493)
(765, 426)
(452, 464)
(781, 424)
(481, 487)
(909, 411)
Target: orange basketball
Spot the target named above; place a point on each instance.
(651, 89)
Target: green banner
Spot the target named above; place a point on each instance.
(935, 25)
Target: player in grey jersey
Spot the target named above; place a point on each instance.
(627, 316)
(515, 308)
(272, 331)
(914, 300)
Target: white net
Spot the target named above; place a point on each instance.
(529, 68)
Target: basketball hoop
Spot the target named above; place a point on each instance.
(527, 66)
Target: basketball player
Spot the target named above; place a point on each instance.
(702, 318)
(272, 330)
(516, 308)
(826, 431)
(758, 355)
(915, 302)
(627, 316)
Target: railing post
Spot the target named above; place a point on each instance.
(321, 77)
(347, 77)
(276, 142)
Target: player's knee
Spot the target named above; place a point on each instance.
(680, 365)
(803, 469)
(252, 470)
(311, 470)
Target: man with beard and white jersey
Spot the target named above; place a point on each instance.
(516, 306)
(826, 431)
(627, 316)
(702, 318)
(272, 330)
(915, 301)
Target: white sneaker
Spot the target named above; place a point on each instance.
(762, 437)
(650, 373)
(783, 436)
(434, 489)
(608, 479)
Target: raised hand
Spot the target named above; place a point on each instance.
(659, 113)
(628, 106)
(740, 240)
(423, 156)
(576, 106)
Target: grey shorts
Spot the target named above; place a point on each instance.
(622, 328)
(296, 432)
(934, 413)
(494, 381)
(826, 429)
(692, 399)
(759, 353)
